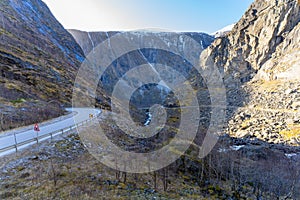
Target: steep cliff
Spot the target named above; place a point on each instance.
(259, 60)
(267, 30)
(38, 62)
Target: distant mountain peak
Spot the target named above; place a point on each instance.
(224, 31)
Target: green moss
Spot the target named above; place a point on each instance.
(18, 101)
(20, 168)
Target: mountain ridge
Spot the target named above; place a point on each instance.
(88, 40)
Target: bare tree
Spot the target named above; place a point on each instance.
(52, 173)
(1, 121)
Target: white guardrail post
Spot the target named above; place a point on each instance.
(16, 144)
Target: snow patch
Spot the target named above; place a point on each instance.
(223, 31)
(108, 40)
(236, 147)
(91, 42)
(148, 120)
(290, 155)
(222, 150)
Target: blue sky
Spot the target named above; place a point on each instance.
(176, 15)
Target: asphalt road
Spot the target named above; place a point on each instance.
(80, 115)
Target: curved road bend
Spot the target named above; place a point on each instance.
(81, 114)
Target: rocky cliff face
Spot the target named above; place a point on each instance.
(90, 40)
(259, 60)
(265, 33)
(38, 62)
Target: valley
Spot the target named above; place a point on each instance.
(184, 115)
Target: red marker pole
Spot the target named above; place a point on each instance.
(37, 129)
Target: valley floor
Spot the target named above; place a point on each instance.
(63, 169)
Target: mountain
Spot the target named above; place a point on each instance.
(179, 41)
(259, 62)
(38, 63)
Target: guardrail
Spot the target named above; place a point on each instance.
(35, 140)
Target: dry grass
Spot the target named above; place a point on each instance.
(291, 133)
(63, 169)
(60, 172)
(270, 86)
